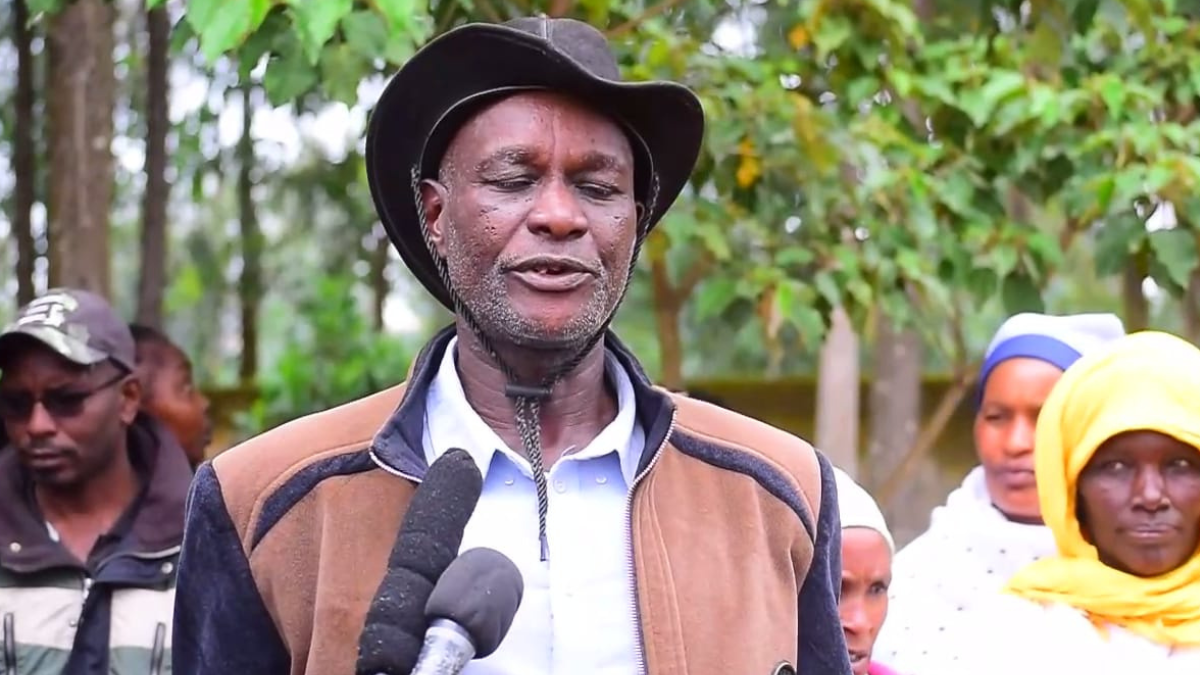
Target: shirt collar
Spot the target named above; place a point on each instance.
(451, 422)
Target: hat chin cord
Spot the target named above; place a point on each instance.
(527, 398)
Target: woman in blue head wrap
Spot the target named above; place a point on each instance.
(990, 526)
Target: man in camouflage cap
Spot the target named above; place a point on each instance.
(91, 496)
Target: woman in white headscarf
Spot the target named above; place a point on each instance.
(867, 549)
(990, 526)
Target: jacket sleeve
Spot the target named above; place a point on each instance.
(822, 646)
(221, 624)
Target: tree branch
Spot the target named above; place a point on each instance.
(929, 434)
(649, 13)
(560, 8)
(694, 276)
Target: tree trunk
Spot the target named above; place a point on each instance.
(895, 428)
(24, 154)
(666, 318)
(80, 102)
(250, 284)
(379, 281)
(838, 393)
(895, 407)
(1137, 309)
(153, 279)
(1191, 308)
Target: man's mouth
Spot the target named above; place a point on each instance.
(552, 274)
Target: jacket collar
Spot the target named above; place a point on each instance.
(157, 523)
(397, 446)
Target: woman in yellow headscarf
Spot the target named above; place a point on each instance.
(1118, 477)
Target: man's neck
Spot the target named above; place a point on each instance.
(579, 407)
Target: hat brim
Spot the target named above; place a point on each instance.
(60, 343)
(480, 58)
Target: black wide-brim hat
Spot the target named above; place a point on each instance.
(446, 81)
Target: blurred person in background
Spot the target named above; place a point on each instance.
(1118, 471)
(990, 526)
(867, 549)
(169, 392)
(92, 500)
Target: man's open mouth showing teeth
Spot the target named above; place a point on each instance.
(552, 275)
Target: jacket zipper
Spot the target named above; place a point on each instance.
(156, 655)
(395, 472)
(10, 645)
(640, 653)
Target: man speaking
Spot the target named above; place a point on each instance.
(518, 176)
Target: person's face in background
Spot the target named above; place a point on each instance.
(173, 399)
(1005, 427)
(66, 422)
(1139, 502)
(866, 575)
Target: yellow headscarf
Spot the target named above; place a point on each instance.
(1144, 381)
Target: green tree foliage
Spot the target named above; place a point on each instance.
(858, 155)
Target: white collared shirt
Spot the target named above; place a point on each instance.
(578, 612)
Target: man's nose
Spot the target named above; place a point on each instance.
(557, 213)
(854, 616)
(1149, 490)
(1021, 436)
(41, 423)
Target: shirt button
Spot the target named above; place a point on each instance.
(73, 623)
(167, 568)
(602, 479)
(15, 547)
(560, 486)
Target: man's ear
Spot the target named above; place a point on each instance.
(131, 398)
(433, 203)
(641, 212)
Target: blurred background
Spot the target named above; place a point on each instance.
(883, 181)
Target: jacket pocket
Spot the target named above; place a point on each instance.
(10, 644)
(159, 650)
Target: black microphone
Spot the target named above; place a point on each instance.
(430, 536)
(470, 611)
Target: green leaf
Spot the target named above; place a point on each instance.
(274, 30)
(180, 36)
(342, 68)
(288, 77)
(834, 31)
(36, 7)
(366, 34)
(714, 297)
(399, 15)
(1176, 250)
(794, 255)
(1004, 260)
(1021, 294)
(979, 105)
(317, 21)
(1112, 90)
(224, 25)
(828, 287)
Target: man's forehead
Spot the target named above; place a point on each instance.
(27, 356)
(523, 128)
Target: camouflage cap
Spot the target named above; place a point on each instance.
(79, 325)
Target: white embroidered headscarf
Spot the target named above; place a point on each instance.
(859, 509)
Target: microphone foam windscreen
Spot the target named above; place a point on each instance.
(480, 591)
(429, 538)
